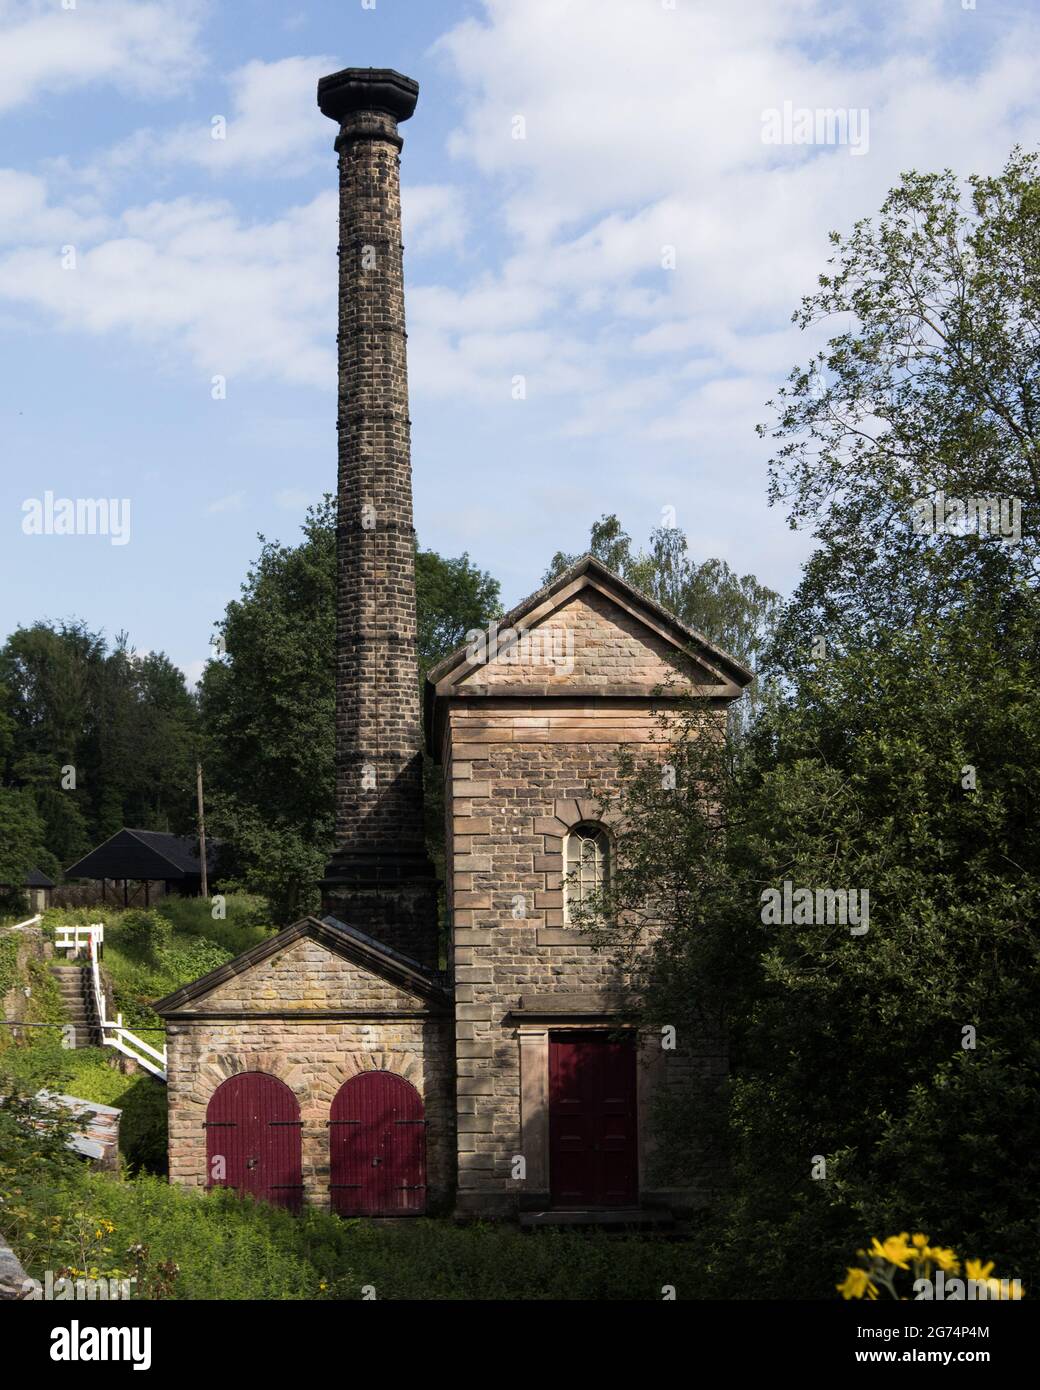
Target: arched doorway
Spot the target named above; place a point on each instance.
(253, 1140)
(377, 1147)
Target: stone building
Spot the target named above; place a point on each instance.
(336, 1063)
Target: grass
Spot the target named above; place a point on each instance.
(227, 1247)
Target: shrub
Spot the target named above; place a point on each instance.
(143, 933)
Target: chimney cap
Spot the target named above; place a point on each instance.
(344, 93)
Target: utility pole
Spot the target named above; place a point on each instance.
(202, 832)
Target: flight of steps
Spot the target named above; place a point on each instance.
(73, 981)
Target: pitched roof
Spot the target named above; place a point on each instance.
(337, 936)
(146, 854)
(36, 878)
(729, 674)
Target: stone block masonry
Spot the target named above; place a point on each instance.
(380, 878)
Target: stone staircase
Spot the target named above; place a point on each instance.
(77, 997)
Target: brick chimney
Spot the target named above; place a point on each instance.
(380, 878)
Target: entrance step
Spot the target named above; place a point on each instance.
(599, 1216)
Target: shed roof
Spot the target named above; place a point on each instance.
(146, 854)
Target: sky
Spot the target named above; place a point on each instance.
(593, 203)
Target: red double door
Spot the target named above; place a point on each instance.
(593, 1154)
(377, 1147)
(253, 1140)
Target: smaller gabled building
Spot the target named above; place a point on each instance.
(315, 1067)
(37, 888)
(155, 861)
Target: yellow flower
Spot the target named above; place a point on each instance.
(975, 1269)
(921, 1242)
(895, 1250)
(857, 1283)
(945, 1259)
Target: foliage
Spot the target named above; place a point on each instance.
(904, 1056)
(268, 704)
(123, 722)
(142, 933)
(21, 844)
(227, 1247)
(734, 612)
(929, 387)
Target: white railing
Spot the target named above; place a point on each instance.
(71, 938)
(113, 1034)
(32, 922)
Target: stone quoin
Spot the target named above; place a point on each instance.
(513, 1080)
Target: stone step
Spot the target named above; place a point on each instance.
(599, 1216)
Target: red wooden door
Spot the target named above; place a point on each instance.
(377, 1147)
(593, 1158)
(253, 1139)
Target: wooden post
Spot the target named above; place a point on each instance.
(202, 833)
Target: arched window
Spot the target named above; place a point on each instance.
(586, 866)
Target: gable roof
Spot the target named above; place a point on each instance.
(336, 936)
(729, 675)
(146, 854)
(34, 878)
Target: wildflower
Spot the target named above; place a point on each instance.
(857, 1284)
(975, 1269)
(895, 1250)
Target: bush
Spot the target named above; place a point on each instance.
(142, 933)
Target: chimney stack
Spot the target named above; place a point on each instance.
(380, 878)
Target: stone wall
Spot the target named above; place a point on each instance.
(275, 1017)
(521, 774)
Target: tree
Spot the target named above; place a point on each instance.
(735, 612)
(21, 843)
(102, 738)
(931, 386)
(268, 703)
(897, 758)
(904, 1055)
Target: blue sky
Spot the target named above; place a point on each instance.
(540, 257)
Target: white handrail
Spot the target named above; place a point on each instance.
(32, 922)
(113, 1034)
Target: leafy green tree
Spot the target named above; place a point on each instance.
(898, 758)
(931, 385)
(21, 844)
(101, 737)
(734, 611)
(905, 1055)
(268, 703)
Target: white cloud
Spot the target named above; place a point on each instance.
(232, 503)
(26, 214)
(191, 277)
(145, 46)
